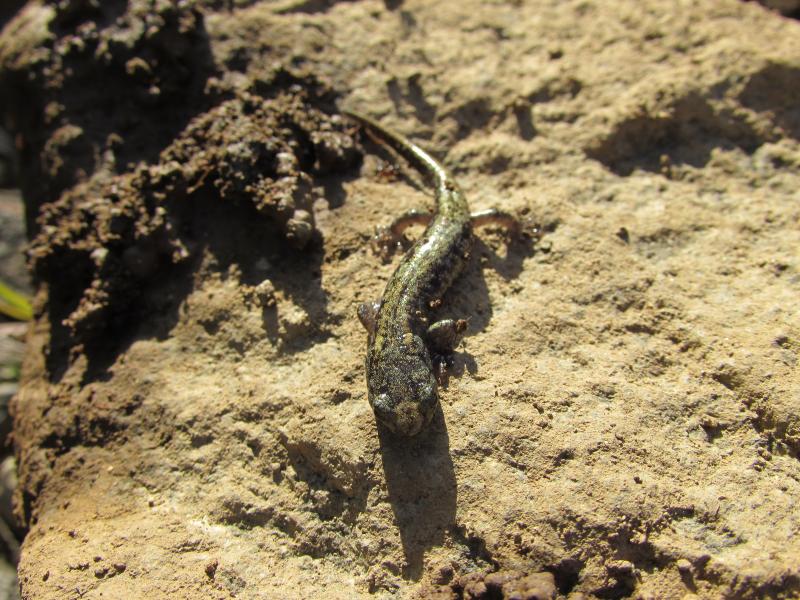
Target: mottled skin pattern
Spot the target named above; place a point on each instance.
(400, 379)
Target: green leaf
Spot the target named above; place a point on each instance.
(14, 304)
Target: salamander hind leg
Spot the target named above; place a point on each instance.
(388, 239)
(516, 227)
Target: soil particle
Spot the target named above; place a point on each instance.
(500, 585)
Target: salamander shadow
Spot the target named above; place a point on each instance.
(469, 296)
(422, 489)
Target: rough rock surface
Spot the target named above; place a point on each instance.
(12, 261)
(623, 418)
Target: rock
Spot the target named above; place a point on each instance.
(625, 397)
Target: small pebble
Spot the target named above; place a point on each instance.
(265, 293)
(684, 566)
(620, 567)
(211, 568)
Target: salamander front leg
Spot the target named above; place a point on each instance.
(387, 239)
(368, 313)
(443, 336)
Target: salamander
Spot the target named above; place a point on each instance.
(401, 384)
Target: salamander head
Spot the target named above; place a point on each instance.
(402, 388)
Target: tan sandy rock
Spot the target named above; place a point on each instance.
(622, 419)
